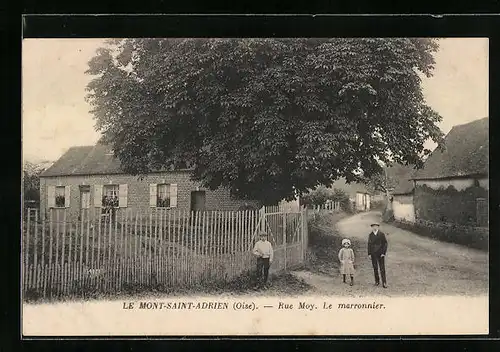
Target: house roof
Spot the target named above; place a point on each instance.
(350, 188)
(401, 176)
(86, 160)
(466, 153)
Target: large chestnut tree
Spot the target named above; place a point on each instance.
(266, 118)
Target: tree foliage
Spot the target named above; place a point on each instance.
(381, 182)
(266, 118)
(31, 182)
(318, 196)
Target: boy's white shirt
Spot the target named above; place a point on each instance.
(263, 249)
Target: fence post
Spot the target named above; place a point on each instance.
(262, 212)
(301, 234)
(284, 236)
(305, 233)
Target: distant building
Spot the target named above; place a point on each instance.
(90, 177)
(402, 194)
(453, 185)
(358, 194)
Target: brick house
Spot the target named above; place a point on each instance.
(453, 185)
(90, 177)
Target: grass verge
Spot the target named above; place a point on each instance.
(281, 284)
(472, 237)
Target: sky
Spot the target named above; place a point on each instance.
(56, 117)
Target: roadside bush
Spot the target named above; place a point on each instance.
(348, 207)
(318, 196)
(378, 205)
(322, 194)
(325, 242)
(388, 215)
(473, 237)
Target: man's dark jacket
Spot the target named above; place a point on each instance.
(377, 244)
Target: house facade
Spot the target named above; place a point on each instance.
(402, 194)
(453, 186)
(363, 201)
(91, 178)
(402, 207)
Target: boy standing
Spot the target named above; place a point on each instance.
(263, 250)
(377, 248)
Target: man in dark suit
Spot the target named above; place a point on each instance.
(377, 248)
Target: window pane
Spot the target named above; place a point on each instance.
(163, 195)
(110, 196)
(163, 191)
(111, 190)
(60, 199)
(60, 191)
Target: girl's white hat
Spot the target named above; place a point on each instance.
(345, 240)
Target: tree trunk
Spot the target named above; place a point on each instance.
(388, 202)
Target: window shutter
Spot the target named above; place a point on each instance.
(98, 196)
(67, 196)
(122, 194)
(152, 195)
(173, 195)
(51, 196)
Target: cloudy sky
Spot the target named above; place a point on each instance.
(56, 116)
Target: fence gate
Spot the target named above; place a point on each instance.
(288, 234)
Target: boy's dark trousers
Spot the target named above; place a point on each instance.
(262, 266)
(378, 261)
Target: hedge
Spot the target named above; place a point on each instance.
(473, 237)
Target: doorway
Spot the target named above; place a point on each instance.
(84, 201)
(198, 200)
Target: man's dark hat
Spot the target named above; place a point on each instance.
(375, 224)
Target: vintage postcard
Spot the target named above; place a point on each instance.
(255, 186)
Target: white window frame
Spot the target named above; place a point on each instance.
(56, 195)
(105, 189)
(153, 195)
(159, 186)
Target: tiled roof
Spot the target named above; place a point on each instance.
(401, 175)
(86, 160)
(466, 153)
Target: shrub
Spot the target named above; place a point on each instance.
(342, 197)
(388, 215)
(247, 206)
(473, 237)
(318, 196)
(378, 205)
(322, 194)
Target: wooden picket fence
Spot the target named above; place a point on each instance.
(327, 207)
(148, 249)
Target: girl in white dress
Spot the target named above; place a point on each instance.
(346, 258)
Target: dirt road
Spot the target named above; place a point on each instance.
(415, 265)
